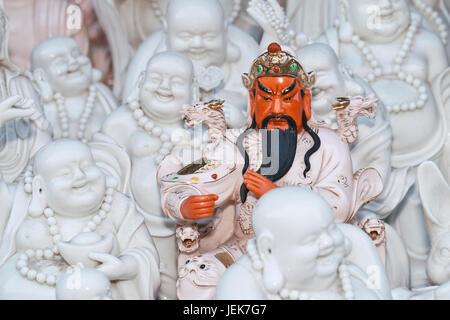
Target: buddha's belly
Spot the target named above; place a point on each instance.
(145, 187)
(412, 129)
(13, 286)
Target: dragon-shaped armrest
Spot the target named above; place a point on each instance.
(347, 112)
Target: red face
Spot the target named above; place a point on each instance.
(278, 96)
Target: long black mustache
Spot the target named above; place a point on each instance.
(286, 154)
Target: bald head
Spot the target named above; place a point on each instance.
(171, 60)
(317, 57)
(58, 151)
(290, 210)
(167, 87)
(198, 29)
(176, 8)
(49, 49)
(68, 179)
(60, 62)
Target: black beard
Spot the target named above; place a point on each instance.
(275, 166)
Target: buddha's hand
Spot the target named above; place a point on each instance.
(15, 107)
(198, 207)
(116, 268)
(257, 183)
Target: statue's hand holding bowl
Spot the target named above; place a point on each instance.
(198, 207)
(116, 268)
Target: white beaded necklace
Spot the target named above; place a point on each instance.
(434, 17)
(157, 12)
(237, 5)
(84, 118)
(397, 72)
(145, 123)
(280, 25)
(23, 262)
(286, 294)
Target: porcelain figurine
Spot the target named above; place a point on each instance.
(371, 149)
(37, 20)
(309, 154)
(209, 42)
(411, 72)
(74, 102)
(433, 191)
(65, 212)
(148, 127)
(295, 226)
(199, 275)
(23, 128)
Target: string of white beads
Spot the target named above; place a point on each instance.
(286, 294)
(157, 12)
(50, 279)
(84, 118)
(145, 123)
(31, 273)
(434, 17)
(237, 5)
(280, 25)
(28, 179)
(397, 73)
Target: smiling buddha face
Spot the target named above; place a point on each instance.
(66, 69)
(68, 179)
(167, 86)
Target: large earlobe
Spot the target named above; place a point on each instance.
(345, 27)
(141, 79)
(45, 90)
(273, 279)
(38, 199)
(347, 246)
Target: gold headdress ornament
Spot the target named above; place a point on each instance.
(275, 63)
